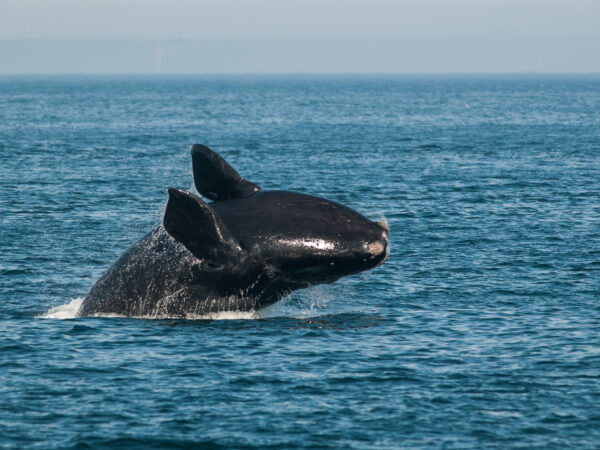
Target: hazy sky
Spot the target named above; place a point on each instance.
(299, 35)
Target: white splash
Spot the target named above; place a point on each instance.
(229, 315)
(312, 302)
(67, 311)
(70, 310)
(315, 301)
(221, 315)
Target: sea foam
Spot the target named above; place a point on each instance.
(66, 311)
(71, 309)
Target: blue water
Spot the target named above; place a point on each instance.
(481, 330)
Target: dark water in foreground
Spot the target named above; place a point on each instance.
(481, 330)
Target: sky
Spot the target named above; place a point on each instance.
(299, 36)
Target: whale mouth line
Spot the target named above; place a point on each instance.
(333, 271)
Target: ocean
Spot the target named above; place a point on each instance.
(481, 330)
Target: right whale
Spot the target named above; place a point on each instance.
(245, 250)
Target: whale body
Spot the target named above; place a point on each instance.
(243, 251)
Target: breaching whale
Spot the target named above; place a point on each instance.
(243, 251)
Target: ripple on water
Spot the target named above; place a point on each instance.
(481, 329)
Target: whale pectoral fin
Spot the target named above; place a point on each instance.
(215, 179)
(197, 226)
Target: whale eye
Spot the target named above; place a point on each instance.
(271, 271)
(212, 266)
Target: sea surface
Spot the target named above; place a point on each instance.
(481, 330)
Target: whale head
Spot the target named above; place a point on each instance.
(304, 239)
(268, 242)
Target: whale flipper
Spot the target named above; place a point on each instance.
(193, 222)
(215, 178)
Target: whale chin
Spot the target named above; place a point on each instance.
(383, 258)
(380, 250)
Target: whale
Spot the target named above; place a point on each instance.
(239, 248)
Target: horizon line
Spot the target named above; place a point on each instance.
(324, 73)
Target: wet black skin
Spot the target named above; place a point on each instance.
(244, 251)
